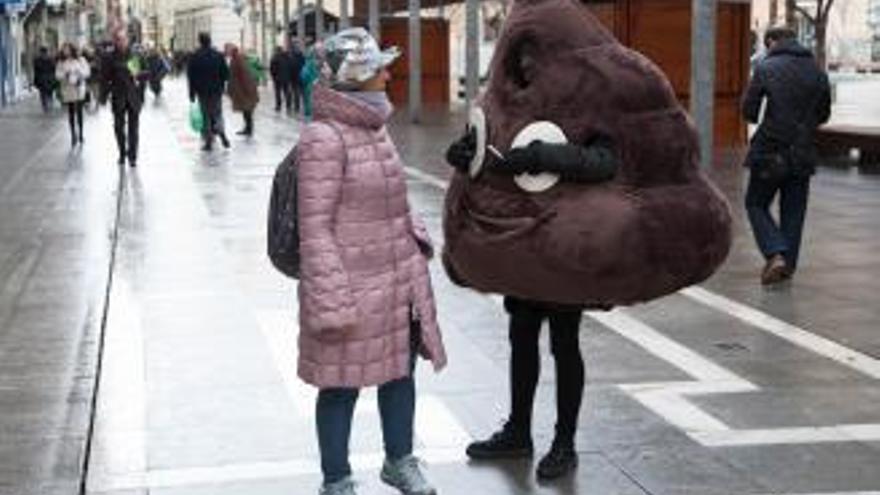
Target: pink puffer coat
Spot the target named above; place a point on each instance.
(362, 267)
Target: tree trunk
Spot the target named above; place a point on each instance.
(821, 35)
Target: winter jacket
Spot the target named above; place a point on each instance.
(72, 75)
(798, 100)
(157, 66)
(44, 73)
(207, 73)
(123, 78)
(242, 85)
(364, 255)
(298, 60)
(281, 68)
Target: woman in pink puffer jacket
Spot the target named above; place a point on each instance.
(366, 304)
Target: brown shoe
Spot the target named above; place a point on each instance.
(775, 271)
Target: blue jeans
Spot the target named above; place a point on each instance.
(335, 408)
(785, 237)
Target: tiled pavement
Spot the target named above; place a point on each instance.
(723, 389)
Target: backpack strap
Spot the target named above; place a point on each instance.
(338, 130)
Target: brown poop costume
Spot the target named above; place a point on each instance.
(658, 226)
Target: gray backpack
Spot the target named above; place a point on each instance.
(283, 226)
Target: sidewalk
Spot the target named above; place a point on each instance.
(719, 390)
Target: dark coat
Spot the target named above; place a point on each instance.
(207, 73)
(798, 100)
(242, 85)
(124, 87)
(281, 68)
(298, 61)
(44, 73)
(657, 226)
(157, 66)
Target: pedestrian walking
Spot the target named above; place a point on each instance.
(44, 77)
(281, 70)
(242, 89)
(308, 77)
(158, 67)
(595, 162)
(72, 73)
(93, 84)
(298, 60)
(366, 303)
(782, 156)
(208, 74)
(123, 78)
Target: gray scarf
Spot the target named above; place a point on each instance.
(377, 100)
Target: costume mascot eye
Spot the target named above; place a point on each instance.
(582, 183)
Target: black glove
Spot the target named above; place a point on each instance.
(462, 152)
(595, 162)
(523, 160)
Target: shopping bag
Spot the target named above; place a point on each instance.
(196, 119)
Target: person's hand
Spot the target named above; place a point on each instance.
(462, 152)
(522, 160)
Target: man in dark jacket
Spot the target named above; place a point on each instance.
(281, 69)
(123, 75)
(782, 156)
(208, 73)
(297, 61)
(44, 77)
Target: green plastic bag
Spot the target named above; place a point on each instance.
(256, 69)
(134, 66)
(196, 119)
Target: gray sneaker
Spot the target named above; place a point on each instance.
(341, 487)
(406, 475)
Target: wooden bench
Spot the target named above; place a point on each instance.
(836, 140)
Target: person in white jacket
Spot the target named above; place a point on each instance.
(72, 72)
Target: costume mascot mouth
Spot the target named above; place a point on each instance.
(655, 226)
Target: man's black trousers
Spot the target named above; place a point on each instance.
(126, 124)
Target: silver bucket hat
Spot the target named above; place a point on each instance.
(353, 57)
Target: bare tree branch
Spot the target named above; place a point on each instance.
(827, 9)
(804, 12)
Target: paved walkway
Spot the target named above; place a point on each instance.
(719, 390)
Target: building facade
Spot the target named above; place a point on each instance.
(216, 17)
(13, 76)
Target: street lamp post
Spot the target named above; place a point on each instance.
(286, 21)
(375, 28)
(300, 23)
(344, 21)
(415, 60)
(472, 51)
(263, 28)
(273, 28)
(702, 98)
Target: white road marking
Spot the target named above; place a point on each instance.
(258, 471)
(670, 401)
(786, 331)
